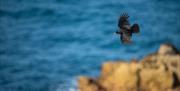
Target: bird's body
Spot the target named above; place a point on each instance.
(125, 29)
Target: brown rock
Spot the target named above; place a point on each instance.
(156, 72)
(155, 79)
(122, 77)
(167, 49)
(89, 84)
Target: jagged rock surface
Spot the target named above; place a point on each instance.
(156, 72)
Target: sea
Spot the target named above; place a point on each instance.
(45, 45)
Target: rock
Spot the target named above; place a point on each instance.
(89, 84)
(155, 78)
(157, 72)
(122, 76)
(160, 72)
(167, 49)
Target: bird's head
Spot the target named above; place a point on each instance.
(117, 32)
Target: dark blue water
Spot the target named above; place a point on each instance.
(46, 44)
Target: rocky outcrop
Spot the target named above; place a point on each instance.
(156, 72)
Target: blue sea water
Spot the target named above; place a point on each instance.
(46, 44)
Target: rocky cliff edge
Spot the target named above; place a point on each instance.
(159, 71)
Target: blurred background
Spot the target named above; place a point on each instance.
(46, 44)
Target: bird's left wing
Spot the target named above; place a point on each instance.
(123, 21)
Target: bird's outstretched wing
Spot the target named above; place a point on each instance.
(123, 21)
(135, 28)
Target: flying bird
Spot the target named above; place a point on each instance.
(125, 29)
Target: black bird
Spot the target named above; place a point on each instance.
(125, 29)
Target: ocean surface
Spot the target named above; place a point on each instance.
(46, 44)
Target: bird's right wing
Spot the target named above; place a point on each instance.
(135, 28)
(123, 21)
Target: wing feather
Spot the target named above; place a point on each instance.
(135, 28)
(123, 21)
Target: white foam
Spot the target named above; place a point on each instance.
(71, 85)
